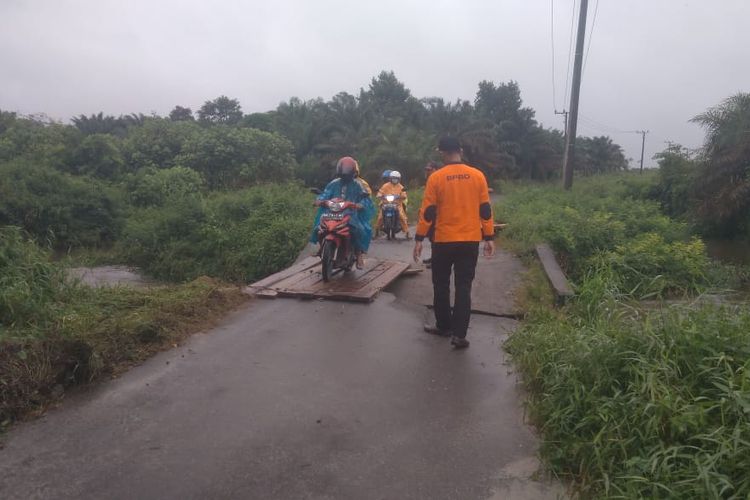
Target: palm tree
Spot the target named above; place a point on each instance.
(723, 184)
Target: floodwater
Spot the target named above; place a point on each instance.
(729, 251)
(109, 276)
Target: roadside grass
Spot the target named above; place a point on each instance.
(89, 257)
(55, 334)
(631, 402)
(415, 201)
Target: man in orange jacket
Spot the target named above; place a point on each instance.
(456, 203)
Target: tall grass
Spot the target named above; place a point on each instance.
(30, 285)
(54, 333)
(635, 405)
(603, 221)
(632, 402)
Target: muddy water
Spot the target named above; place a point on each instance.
(109, 276)
(729, 251)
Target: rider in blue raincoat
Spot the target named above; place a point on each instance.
(346, 186)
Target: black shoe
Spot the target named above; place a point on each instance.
(427, 261)
(433, 330)
(459, 343)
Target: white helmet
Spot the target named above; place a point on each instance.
(395, 174)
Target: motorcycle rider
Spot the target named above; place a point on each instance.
(347, 187)
(394, 186)
(358, 177)
(386, 179)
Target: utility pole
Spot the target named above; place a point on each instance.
(565, 122)
(643, 145)
(570, 138)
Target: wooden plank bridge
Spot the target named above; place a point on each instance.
(305, 280)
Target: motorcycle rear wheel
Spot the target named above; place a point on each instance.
(326, 259)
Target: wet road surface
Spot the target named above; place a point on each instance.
(293, 399)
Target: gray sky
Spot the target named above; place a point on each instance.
(653, 64)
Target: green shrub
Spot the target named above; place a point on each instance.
(239, 236)
(38, 142)
(152, 187)
(51, 206)
(600, 223)
(229, 157)
(98, 155)
(29, 283)
(157, 143)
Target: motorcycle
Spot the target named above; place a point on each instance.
(389, 207)
(334, 235)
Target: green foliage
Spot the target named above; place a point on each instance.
(712, 189)
(29, 283)
(387, 127)
(649, 408)
(648, 265)
(596, 155)
(158, 143)
(68, 211)
(38, 142)
(677, 180)
(180, 113)
(221, 110)
(155, 188)
(238, 157)
(106, 124)
(632, 402)
(724, 176)
(240, 236)
(98, 155)
(599, 222)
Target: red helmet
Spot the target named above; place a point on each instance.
(346, 167)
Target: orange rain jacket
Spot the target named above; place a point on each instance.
(457, 202)
(399, 189)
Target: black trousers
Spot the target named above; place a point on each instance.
(461, 257)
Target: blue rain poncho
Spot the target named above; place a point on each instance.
(356, 192)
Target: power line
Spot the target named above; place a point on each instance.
(570, 49)
(594, 124)
(591, 34)
(552, 37)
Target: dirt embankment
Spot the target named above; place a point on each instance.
(101, 333)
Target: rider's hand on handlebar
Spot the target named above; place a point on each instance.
(358, 206)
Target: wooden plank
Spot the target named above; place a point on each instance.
(266, 282)
(302, 279)
(352, 286)
(411, 271)
(554, 273)
(381, 276)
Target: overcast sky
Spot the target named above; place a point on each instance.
(652, 64)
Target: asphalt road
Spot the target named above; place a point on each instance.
(294, 399)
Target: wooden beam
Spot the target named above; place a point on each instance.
(554, 273)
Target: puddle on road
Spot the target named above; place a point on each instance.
(110, 276)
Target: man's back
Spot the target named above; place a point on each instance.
(457, 202)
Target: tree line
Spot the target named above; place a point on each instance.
(82, 184)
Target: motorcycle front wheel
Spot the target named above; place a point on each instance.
(326, 259)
